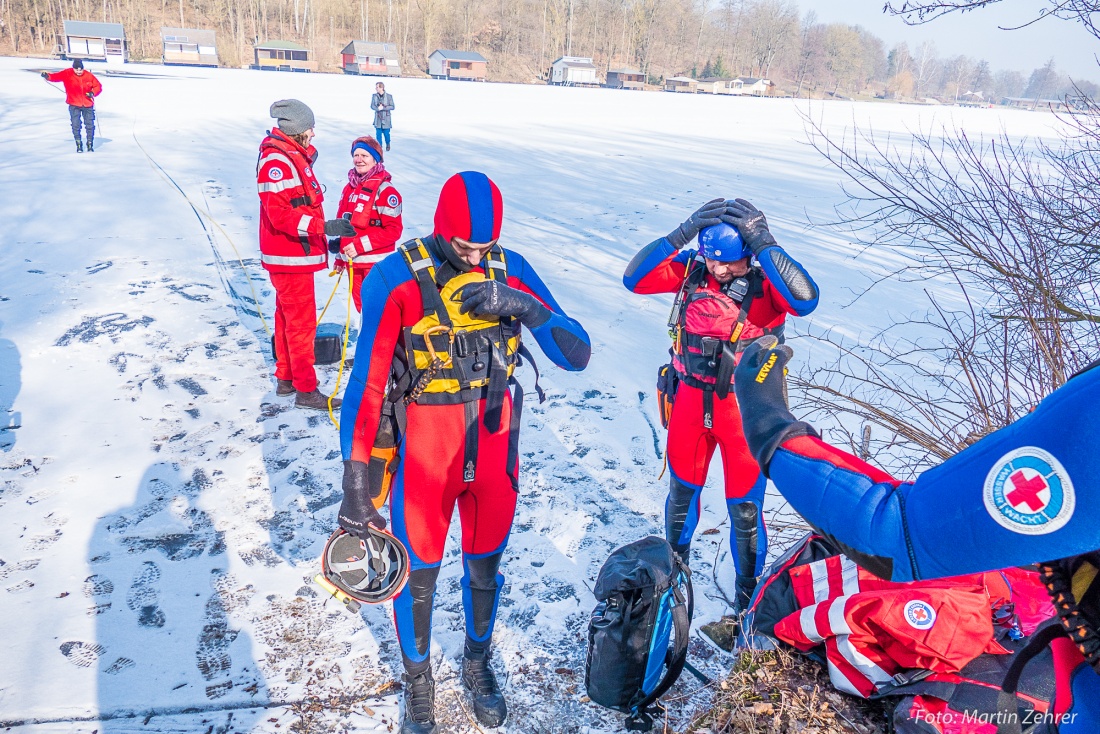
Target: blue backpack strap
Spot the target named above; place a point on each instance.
(641, 719)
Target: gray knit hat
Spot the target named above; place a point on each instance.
(294, 117)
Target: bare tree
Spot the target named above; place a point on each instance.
(772, 24)
(1086, 12)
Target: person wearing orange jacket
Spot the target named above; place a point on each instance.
(373, 206)
(293, 246)
(81, 89)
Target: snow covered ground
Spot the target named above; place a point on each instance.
(162, 511)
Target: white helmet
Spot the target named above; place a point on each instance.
(371, 569)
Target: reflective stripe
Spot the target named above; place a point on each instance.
(496, 264)
(849, 574)
(298, 260)
(809, 625)
(421, 264)
(389, 211)
(820, 575)
(838, 624)
(303, 229)
(274, 188)
(377, 257)
(865, 665)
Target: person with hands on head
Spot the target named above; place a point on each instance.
(372, 205)
(724, 302)
(81, 89)
(293, 246)
(1027, 493)
(440, 339)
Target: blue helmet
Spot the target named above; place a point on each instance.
(722, 242)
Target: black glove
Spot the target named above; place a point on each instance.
(752, 225)
(766, 419)
(491, 297)
(357, 511)
(339, 228)
(89, 95)
(705, 216)
(46, 75)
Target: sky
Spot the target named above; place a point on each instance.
(979, 34)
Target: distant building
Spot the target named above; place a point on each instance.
(94, 41)
(573, 71)
(283, 56)
(188, 46)
(625, 79)
(448, 64)
(718, 85)
(366, 57)
(751, 85)
(681, 84)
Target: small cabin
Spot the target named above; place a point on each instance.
(283, 56)
(94, 42)
(625, 79)
(751, 85)
(188, 47)
(368, 58)
(718, 85)
(447, 64)
(681, 84)
(572, 71)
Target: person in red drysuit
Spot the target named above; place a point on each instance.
(293, 246)
(373, 206)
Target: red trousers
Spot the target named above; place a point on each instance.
(429, 483)
(691, 444)
(358, 275)
(295, 329)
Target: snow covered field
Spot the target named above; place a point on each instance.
(162, 512)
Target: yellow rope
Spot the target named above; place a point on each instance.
(344, 349)
(339, 274)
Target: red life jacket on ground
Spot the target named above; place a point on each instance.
(292, 222)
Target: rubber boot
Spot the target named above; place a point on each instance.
(91, 149)
(284, 388)
(478, 678)
(419, 704)
(744, 586)
(315, 400)
(79, 145)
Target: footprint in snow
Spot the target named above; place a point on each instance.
(98, 588)
(144, 596)
(82, 654)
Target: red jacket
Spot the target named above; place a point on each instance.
(78, 86)
(375, 209)
(292, 222)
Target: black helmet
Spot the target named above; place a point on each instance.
(371, 569)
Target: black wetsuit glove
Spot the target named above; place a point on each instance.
(339, 228)
(766, 419)
(45, 75)
(357, 511)
(752, 225)
(491, 297)
(707, 215)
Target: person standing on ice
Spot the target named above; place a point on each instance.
(293, 246)
(442, 315)
(81, 89)
(724, 302)
(373, 206)
(382, 104)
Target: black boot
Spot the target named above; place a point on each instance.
(744, 586)
(419, 704)
(479, 680)
(90, 148)
(79, 145)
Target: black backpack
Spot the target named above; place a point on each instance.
(638, 634)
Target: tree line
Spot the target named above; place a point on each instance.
(662, 38)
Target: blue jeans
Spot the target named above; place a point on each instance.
(382, 132)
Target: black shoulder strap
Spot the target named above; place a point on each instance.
(730, 348)
(1007, 701)
(422, 268)
(496, 268)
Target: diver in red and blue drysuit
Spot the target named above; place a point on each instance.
(1024, 494)
(724, 303)
(443, 316)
